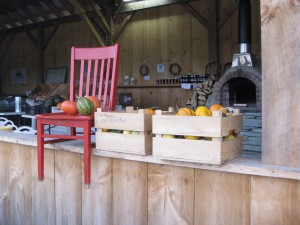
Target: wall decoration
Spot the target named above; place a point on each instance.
(144, 70)
(18, 76)
(175, 69)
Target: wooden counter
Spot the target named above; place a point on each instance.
(245, 164)
(136, 190)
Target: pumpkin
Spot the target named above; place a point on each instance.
(150, 111)
(185, 112)
(96, 102)
(203, 111)
(69, 107)
(84, 106)
(217, 107)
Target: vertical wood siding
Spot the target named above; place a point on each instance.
(125, 192)
(163, 35)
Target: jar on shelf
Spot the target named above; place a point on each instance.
(126, 79)
(132, 80)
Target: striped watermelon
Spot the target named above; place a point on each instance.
(84, 106)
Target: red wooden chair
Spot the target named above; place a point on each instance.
(96, 72)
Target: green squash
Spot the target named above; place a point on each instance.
(84, 106)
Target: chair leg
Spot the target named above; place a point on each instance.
(87, 154)
(40, 149)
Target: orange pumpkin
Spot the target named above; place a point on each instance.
(69, 107)
(96, 102)
(217, 107)
(185, 112)
(150, 111)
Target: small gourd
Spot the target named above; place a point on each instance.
(69, 107)
(96, 102)
(185, 112)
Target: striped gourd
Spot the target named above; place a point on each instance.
(84, 106)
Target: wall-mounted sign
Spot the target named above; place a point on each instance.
(18, 76)
(160, 68)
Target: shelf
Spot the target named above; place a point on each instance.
(151, 86)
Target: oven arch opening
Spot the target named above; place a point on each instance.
(242, 91)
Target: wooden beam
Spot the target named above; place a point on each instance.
(50, 37)
(99, 27)
(67, 6)
(53, 8)
(52, 22)
(229, 13)
(88, 22)
(134, 6)
(195, 14)
(98, 13)
(17, 17)
(28, 14)
(32, 39)
(123, 25)
(8, 20)
(5, 47)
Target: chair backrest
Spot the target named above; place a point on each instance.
(94, 72)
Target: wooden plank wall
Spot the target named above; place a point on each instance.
(161, 35)
(134, 193)
(281, 82)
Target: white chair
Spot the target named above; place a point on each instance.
(7, 123)
(25, 130)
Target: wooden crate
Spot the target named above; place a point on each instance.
(133, 120)
(42, 90)
(214, 151)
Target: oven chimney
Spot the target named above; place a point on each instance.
(244, 26)
(243, 58)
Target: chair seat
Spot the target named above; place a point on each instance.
(64, 116)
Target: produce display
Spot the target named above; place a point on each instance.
(128, 131)
(204, 135)
(147, 112)
(202, 111)
(84, 105)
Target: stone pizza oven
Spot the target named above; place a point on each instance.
(240, 86)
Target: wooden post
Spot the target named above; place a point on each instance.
(281, 82)
(213, 34)
(40, 58)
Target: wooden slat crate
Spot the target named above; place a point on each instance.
(129, 120)
(211, 148)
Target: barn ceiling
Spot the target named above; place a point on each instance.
(26, 15)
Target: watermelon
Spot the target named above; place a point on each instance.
(84, 106)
